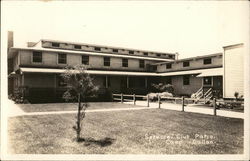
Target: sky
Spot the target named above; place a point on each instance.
(191, 28)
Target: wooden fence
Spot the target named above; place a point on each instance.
(159, 99)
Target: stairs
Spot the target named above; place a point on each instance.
(203, 95)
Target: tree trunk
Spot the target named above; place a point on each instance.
(78, 130)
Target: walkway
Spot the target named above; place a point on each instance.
(191, 108)
(14, 110)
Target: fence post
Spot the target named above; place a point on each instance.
(183, 103)
(159, 101)
(148, 100)
(214, 103)
(134, 98)
(121, 97)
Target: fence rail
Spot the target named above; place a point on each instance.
(160, 98)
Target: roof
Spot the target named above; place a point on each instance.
(86, 53)
(77, 43)
(202, 72)
(233, 46)
(191, 58)
(214, 72)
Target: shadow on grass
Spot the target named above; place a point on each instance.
(102, 142)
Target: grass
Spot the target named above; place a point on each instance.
(126, 132)
(69, 106)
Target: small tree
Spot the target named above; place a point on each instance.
(79, 87)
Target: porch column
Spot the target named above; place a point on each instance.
(127, 81)
(106, 77)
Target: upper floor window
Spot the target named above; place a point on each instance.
(186, 64)
(171, 56)
(125, 62)
(37, 57)
(85, 59)
(62, 58)
(106, 61)
(207, 61)
(131, 52)
(141, 63)
(168, 66)
(115, 50)
(54, 44)
(158, 54)
(145, 53)
(186, 80)
(97, 49)
(77, 46)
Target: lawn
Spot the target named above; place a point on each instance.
(70, 106)
(151, 131)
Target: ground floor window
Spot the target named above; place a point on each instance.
(136, 82)
(168, 80)
(207, 81)
(186, 80)
(61, 82)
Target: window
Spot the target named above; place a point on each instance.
(158, 54)
(171, 56)
(124, 62)
(61, 82)
(168, 80)
(62, 58)
(186, 80)
(115, 50)
(207, 81)
(131, 52)
(207, 61)
(77, 47)
(168, 66)
(145, 53)
(85, 59)
(186, 64)
(141, 63)
(97, 49)
(55, 44)
(37, 57)
(106, 61)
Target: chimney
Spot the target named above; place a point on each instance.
(10, 39)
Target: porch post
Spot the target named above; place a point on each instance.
(106, 77)
(127, 81)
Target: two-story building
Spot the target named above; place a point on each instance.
(38, 66)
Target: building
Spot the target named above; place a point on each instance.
(37, 68)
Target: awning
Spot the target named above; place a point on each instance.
(212, 72)
(215, 71)
(94, 72)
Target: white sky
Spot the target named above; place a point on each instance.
(191, 28)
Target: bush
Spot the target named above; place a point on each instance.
(163, 88)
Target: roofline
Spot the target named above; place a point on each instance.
(106, 46)
(90, 53)
(233, 46)
(191, 58)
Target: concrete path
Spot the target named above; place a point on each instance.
(14, 110)
(191, 108)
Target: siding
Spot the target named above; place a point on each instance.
(198, 63)
(50, 60)
(180, 89)
(233, 71)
